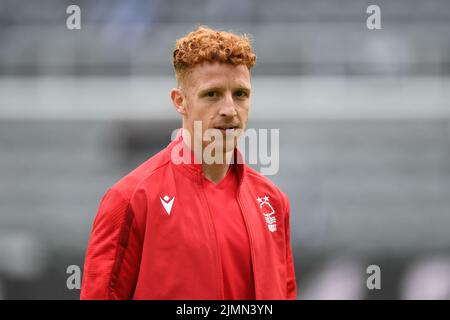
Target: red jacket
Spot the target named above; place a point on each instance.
(139, 251)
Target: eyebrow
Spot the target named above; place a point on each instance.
(244, 88)
(205, 90)
(221, 89)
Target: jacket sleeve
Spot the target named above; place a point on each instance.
(113, 255)
(291, 284)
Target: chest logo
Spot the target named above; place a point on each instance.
(167, 203)
(268, 212)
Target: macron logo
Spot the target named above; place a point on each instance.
(167, 203)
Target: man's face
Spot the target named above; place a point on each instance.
(218, 94)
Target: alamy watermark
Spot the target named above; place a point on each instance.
(374, 280)
(73, 21)
(261, 146)
(373, 21)
(74, 279)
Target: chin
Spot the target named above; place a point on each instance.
(230, 146)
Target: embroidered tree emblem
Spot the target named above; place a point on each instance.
(268, 213)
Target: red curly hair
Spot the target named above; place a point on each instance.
(205, 44)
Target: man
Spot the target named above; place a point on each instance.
(191, 224)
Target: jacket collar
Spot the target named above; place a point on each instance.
(191, 167)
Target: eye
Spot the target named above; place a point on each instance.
(241, 93)
(211, 94)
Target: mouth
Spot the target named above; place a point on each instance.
(224, 128)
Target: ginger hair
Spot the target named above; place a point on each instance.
(205, 44)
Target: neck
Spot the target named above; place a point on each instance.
(214, 172)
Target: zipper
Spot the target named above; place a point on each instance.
(250, 238)
(213, 228)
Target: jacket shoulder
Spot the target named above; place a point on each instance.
(257, 178)
(128, 184)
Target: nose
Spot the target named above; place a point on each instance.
(228, 108)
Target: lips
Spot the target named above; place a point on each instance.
(227, 127)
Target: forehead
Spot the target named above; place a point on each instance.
(217, 74)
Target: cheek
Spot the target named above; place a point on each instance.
(244, 109)
(194, 109)
(202, 111)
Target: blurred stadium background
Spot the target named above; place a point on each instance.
(364, 119)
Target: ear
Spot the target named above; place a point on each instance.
(178, 100)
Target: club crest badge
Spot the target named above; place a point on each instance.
(268, 212)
